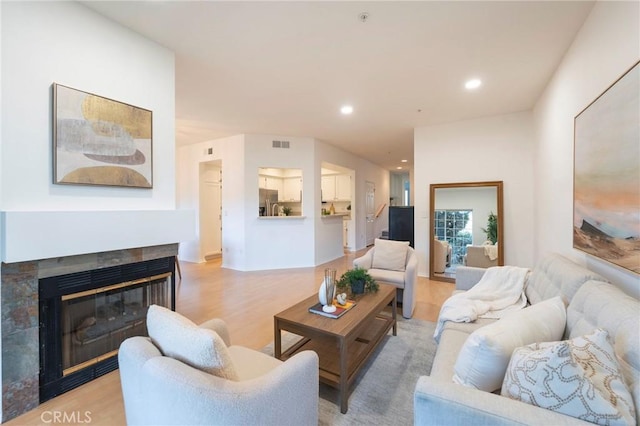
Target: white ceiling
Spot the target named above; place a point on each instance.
(285, 68)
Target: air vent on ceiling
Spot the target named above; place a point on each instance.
(285, 144)
(276, 144)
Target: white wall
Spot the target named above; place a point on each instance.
(230, 152)
(250, 243)
(1, 162)
(279, 243)
(66, 43)
(210, 209)
(487, 149)
(606, 47)
(364, 171)
(1, 127)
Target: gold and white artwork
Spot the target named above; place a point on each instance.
(99, 141)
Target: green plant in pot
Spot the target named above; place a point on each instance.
(286, 211)
(358, 281)
(492, 228)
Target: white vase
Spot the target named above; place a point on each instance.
(322, 294)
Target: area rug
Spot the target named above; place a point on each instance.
(382, 394)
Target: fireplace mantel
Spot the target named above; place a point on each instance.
(38, 244)
(20, 325)
(33, 235)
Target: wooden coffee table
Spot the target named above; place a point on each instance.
(343, 344)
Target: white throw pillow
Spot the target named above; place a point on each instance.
(485, 355)
(579, 377)
(177, 337)
(390, 255)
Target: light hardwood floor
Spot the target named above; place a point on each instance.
(247, 301)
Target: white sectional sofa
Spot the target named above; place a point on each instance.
(591, 303)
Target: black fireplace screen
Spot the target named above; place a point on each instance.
(85, 316)
(96, 322)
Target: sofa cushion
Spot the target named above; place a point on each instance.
(390, 255)
(483, 359)
(453, 337)
(602, 305)
(579, 377)
(179, 338)
(555, 275)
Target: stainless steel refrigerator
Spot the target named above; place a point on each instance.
(267, 198)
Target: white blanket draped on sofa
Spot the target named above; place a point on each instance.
(500, 290)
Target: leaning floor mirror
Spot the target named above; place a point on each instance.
(466, 227)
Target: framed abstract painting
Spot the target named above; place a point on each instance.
(606, 188)
(99, 141)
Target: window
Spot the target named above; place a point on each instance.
(455, 227)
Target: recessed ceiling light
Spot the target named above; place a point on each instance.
(473, 84)
(403, 161)
(346, 109)
(399, 168)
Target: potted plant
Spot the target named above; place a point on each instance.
(286, 211)
(492, 228)
(358, 280)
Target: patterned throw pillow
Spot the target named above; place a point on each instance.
(484, 357)
(579, 377)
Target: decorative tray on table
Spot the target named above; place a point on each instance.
(340, 309)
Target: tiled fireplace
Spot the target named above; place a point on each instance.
(20, 303)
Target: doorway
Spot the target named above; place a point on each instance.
(370, 193)
(210, 210)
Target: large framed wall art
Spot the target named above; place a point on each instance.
(99, 141)
(606, 189)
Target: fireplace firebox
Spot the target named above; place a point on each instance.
(84, 317)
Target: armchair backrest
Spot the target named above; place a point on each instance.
(161, 390)
(440, 249)
(410, 254)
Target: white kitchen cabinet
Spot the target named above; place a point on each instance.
(292, 189)
(343, 187)
(270, 182)
(328, 185)
(336, 188)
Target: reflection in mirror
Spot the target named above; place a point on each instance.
(466, 227)
(279, 191)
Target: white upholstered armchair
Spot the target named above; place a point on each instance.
(441, 255)
(393, 262)
(187, 374)
(484, 256)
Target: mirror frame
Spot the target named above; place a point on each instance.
(500, 210)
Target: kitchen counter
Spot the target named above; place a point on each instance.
(280, 217)
(340, 215)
